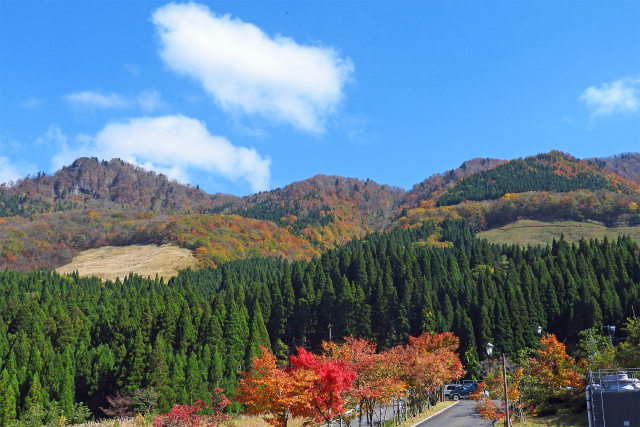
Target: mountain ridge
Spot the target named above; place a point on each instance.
(46, 220)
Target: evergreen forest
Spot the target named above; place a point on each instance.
(69, 340)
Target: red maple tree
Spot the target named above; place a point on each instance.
(333, 380)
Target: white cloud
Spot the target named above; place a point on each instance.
(53, 137)
(147, 101)
(173, 145)
(10, 171)
(95, 100)
(620, 96)
(33, 102)
(246, 70)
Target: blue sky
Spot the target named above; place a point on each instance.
(240, 96)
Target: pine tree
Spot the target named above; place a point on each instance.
(194, 384)
(34, 395)
(178, 379)
(67, 392)
(186, 332)
(7, 399)
(258, 336)
(278, 316)
(216, 368)
(158, 377)
(134, 374)
(235, 338)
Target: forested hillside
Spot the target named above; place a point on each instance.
(627, 165)
(47, 220)
(554, 171)
(72, 339)
(438, 183)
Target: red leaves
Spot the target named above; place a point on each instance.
(191, 415)
(490, 410)
(319, 387)
(333, 379)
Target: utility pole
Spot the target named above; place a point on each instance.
(507, 423)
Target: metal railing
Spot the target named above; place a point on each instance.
(613, 397)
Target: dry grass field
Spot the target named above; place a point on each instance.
(110, 262)
(528, 232)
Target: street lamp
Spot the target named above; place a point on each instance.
(610, 330)
(489, 348)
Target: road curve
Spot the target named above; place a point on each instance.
(461, 415)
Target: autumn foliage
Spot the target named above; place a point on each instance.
(376, 380)
(556, 374)
(333, 380)
(346, 375)
(494, 385)
(200, 414)
(275, 393)
(551, 375)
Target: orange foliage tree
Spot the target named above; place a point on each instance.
(494, 387)
(426, 363)
(275, 393)
(376, 382)
(554, 374)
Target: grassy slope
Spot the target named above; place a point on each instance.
(561, 419)
(110, 262)
(525, 232)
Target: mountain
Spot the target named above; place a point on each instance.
(102, 184)
(327, 209)
(626, 165)
(554, 171)
(46, 220)
(439, 182)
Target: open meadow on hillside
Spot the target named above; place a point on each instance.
(529, 232)
(110, 262)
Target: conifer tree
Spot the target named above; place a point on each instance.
(134, 374)
(158, 377)
(194, 384)
(34, 395)
(8, 399)
(258, 336)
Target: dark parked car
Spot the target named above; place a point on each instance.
(463, 391)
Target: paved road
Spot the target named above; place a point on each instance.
(461, 415)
